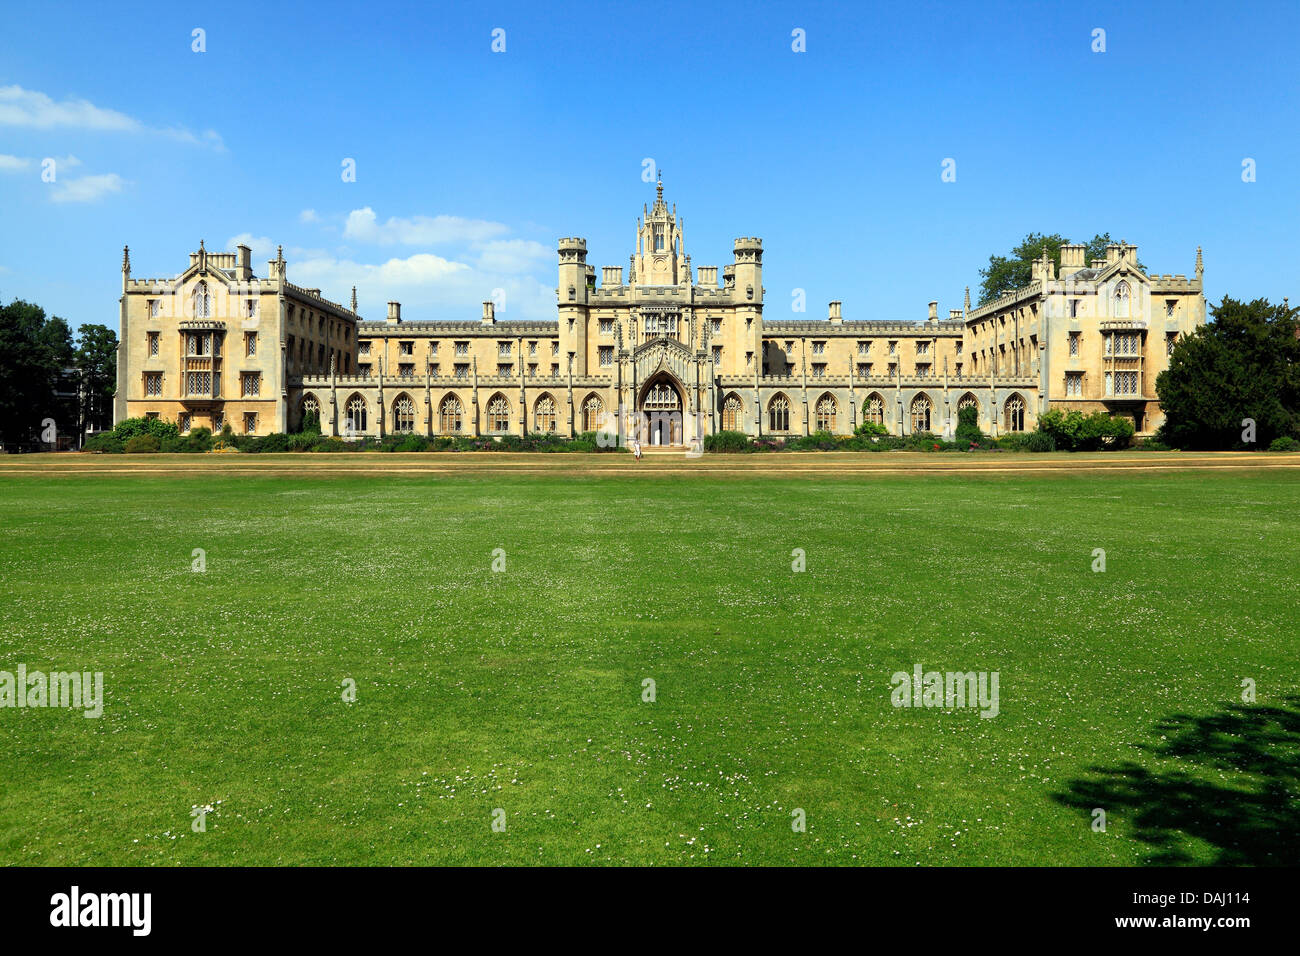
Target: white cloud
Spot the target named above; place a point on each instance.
(87, 188)
(36, 110)
(13, 164)
(364, 226)
(308, 215)
(263, 248)
(427, 285)
(511, 255)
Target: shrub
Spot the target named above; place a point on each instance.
(1015, 441)
(310, 424)
(1284, 443)
(1038, 441)
(726, 442)
(870, 430)
(129, 428)
(142, 445)
(411, 443)
(968, 429)
(105, 443)
(1074, 431)
(275, 442)
(1150, 444)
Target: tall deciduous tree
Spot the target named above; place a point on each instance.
(1005, 273)
(33, 353)
(1244, 365)
(96, 362)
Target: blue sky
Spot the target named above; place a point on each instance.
(470, 164)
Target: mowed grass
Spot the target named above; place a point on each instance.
(522, 690)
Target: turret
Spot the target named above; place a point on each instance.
(573, 295)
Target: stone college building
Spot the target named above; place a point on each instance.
(665, 352)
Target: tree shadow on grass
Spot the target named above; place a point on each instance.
(1230, 779)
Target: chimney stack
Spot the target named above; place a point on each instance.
(489, 311)
(836, 311)
(934, 311)
(394, 313)
(244, 262)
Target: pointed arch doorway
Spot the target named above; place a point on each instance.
(661, 412)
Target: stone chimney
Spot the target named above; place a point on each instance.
(934, 311)
(489, 312)
(836, 314)
(243, 262)
(708, 276)
(1113, 252)
(611, 276)
(394, 313)
(1072, 258)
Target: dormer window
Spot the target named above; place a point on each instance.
(202, 301)
(1121, 300)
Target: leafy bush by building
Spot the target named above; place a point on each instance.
(142, 445)
(1285, 443)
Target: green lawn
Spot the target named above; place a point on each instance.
(522, 690)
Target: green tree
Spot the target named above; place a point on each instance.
(1005, 273)
(33, 353)
(96, 361)
(1243, 365)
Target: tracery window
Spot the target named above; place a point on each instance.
(826, 413)
(404, 415)
(875, 410)
(592, 411)
(450, 414)
(544, 414)
(355, 419)
(1015, 414)
(731, 414)
(498, 414)
(921, 408)
(778, 414)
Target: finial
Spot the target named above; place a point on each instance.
(354, 300)
(279, 253)
(968, 298)
(200, 245)
(1200, 267)
(659, 184)
(126, 260)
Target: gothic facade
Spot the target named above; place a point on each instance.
(667, 352)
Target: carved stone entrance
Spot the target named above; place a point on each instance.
(660, 416)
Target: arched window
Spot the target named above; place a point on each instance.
(968, 401)
(498, 413)
(778, 414)
(662, 397)
(826, 413)
(202, 301)
(544, 414)
(921, 414)
(310, 406)
(873, 410)
(732, 413)
(592, 411)
(1122, 300)
(1015, 414)
(450, 414)
(355, 422)
(404, 415)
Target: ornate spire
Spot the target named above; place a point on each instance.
(1200, 266)
(966, 308)
(279, 253)
(354, 300)
(659, 186)
(126, 260)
